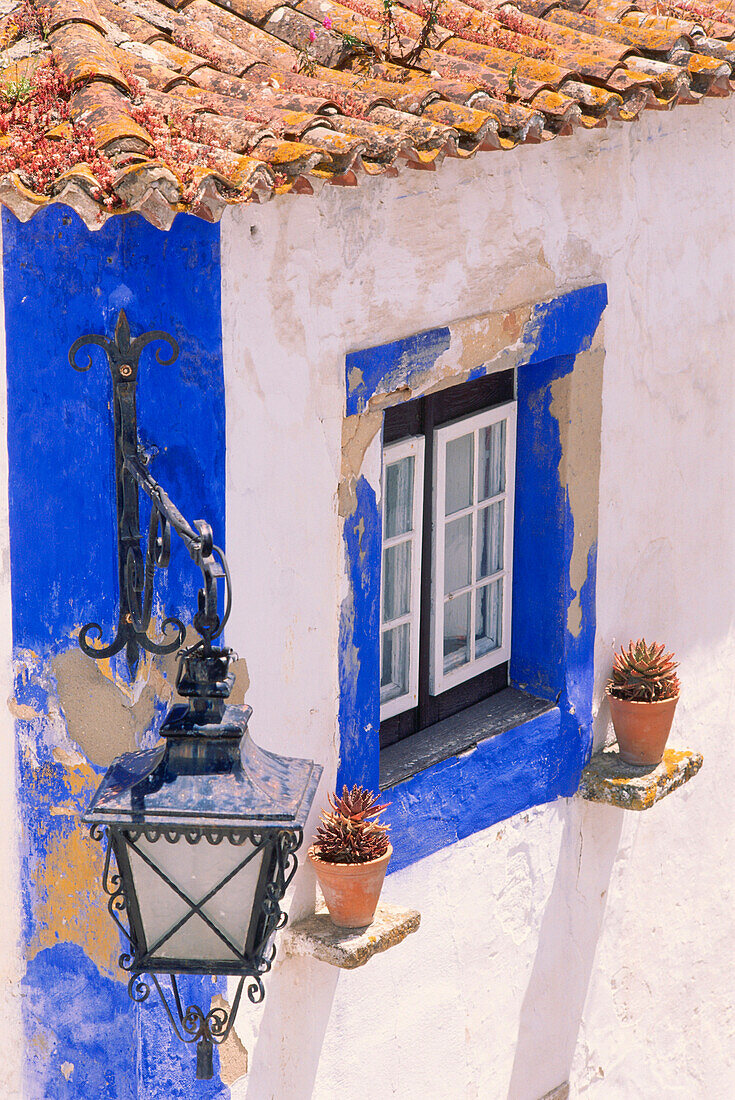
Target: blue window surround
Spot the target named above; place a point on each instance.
(543, 758)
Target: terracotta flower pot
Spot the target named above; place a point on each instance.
(642, 729)
(351, 890)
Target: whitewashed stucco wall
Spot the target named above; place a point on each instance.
(575, 941)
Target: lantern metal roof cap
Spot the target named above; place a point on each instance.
(206, 776)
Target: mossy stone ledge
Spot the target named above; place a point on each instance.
(609, 779)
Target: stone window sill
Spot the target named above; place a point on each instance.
(349, 948)
(458, 734)
(629, 787)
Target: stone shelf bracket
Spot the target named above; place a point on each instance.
(630, 787)
(349, 948)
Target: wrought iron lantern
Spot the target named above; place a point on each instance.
(200, 832)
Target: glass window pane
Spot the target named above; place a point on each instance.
(394, 662)
(396, 581)
(398, 503)
(490, 540)
(457, 554)
(492, 460)
(459, 473)
(489, 618)
(457, 632)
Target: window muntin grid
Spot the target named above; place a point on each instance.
(402, 490)
(474, 476)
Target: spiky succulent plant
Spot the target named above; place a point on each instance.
(350, 832)
(644, 673)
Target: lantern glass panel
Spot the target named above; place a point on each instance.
(196, 869)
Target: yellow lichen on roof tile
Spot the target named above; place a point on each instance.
(169, 105)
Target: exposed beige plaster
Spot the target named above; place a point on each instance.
(479, 340)
(355, 379)
(242, 681)
(22, 711)
(99, 717)
(483, 340)
(576, 403)
(68, 759)
(69, 904)
(233, 1057)
(358, 432)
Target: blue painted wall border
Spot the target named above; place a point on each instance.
(542, 759)
(61, 281)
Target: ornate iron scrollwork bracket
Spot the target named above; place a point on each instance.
(135, 574)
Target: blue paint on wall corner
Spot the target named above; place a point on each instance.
(62, 281)
(80, 1024)
(359, 644)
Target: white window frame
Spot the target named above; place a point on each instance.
(439, 681)
(394, 452)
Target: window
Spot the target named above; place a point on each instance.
(448, 492)
(403, 474)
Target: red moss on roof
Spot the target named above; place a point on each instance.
(163, 106)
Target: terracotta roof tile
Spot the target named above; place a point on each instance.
(82, 54)
(105, 109)
(130, 24)
(169, 105)
(55, 13)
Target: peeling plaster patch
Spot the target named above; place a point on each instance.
(482, 339)
(67, 1068)
(68, 759)
(576, 404)
(242, 681)
(233, 1057)
(384, 369)
(22, 710)
(69, 904)
(98, 718)
(358, 432)
(527, 282)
